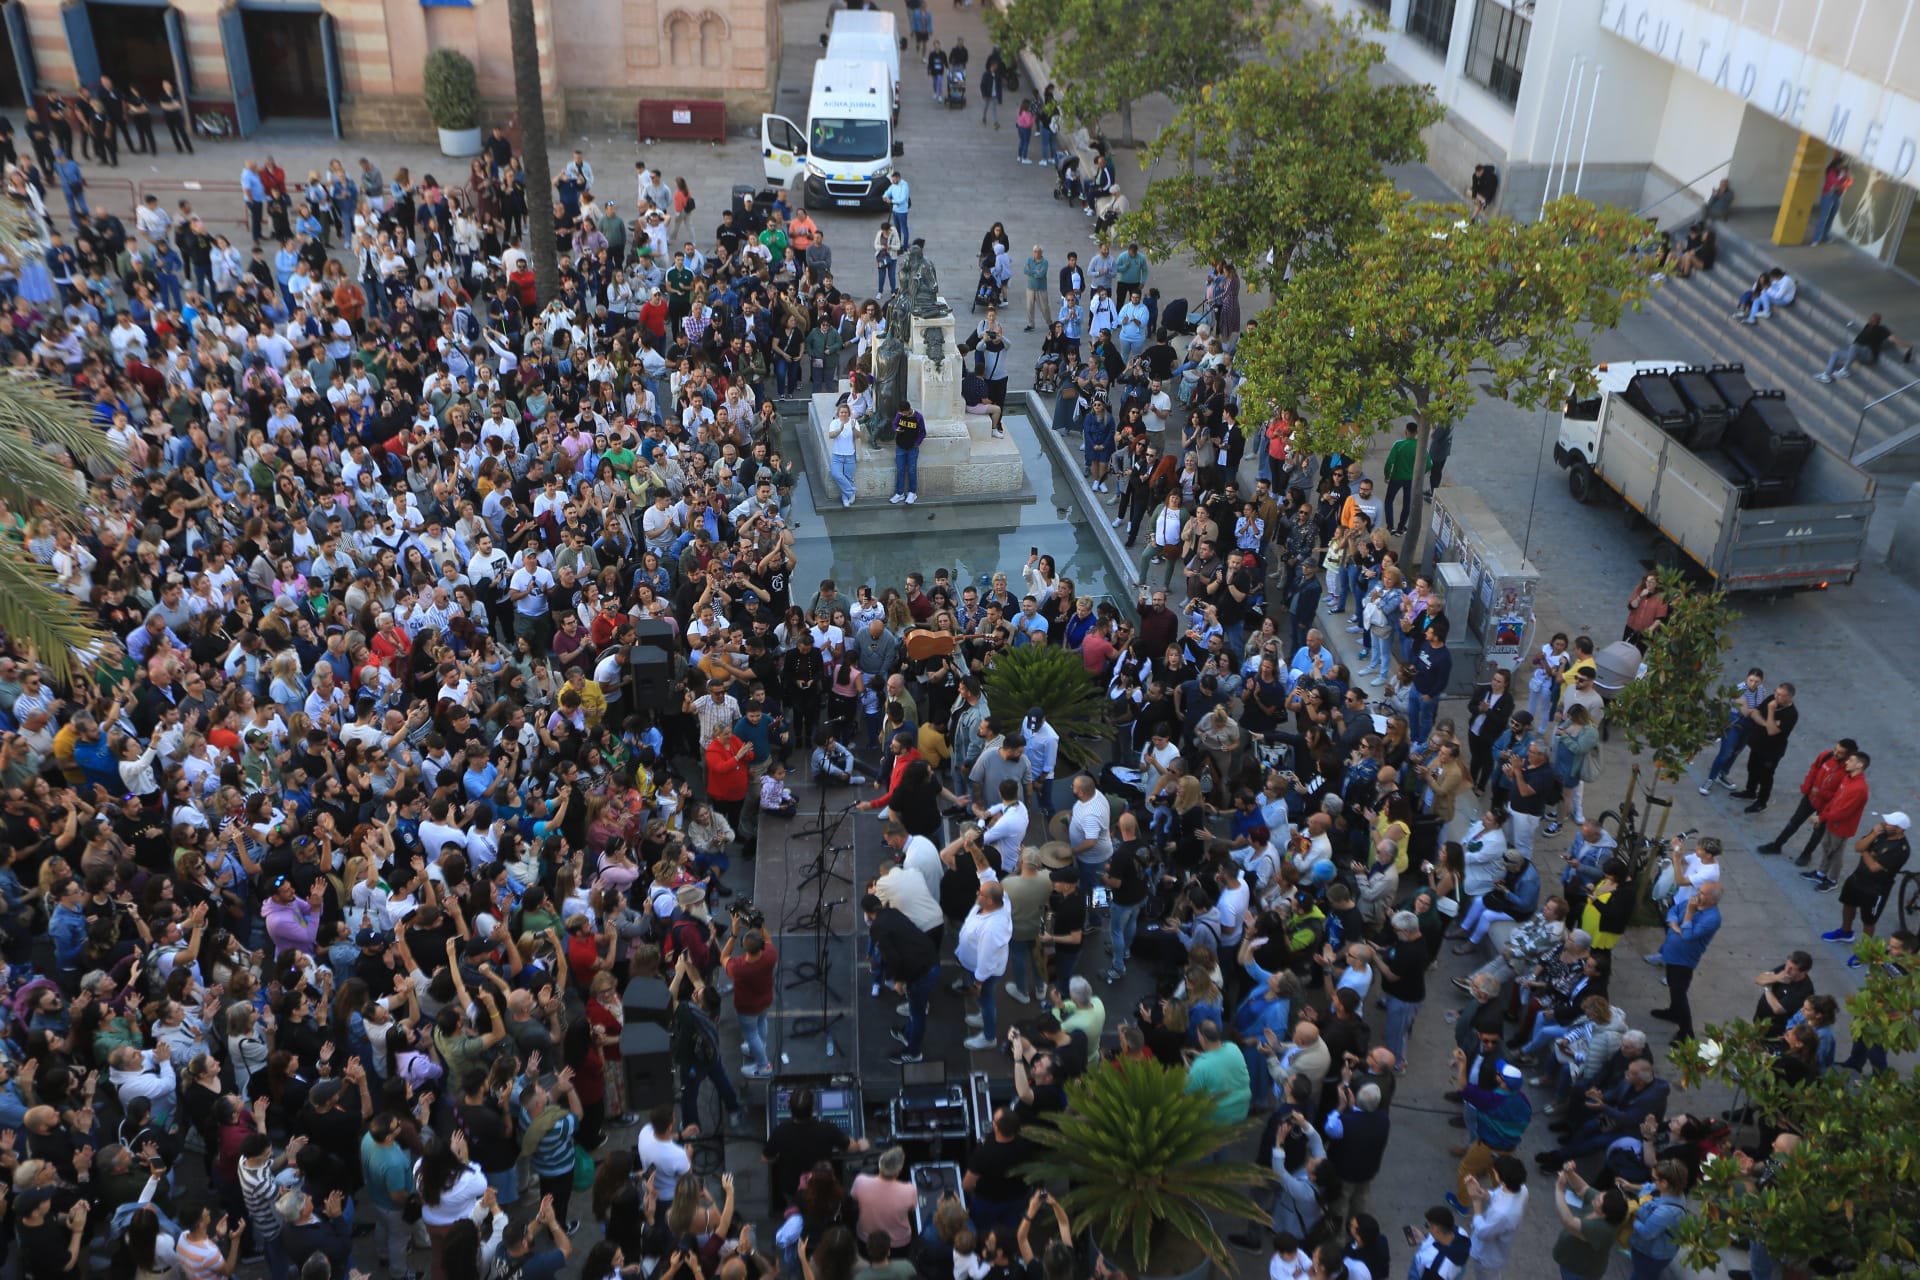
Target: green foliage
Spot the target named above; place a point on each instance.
(1136, 1152)
(1679, 708)
(1850, 1191)
(1425, 303)
(1055, 679)
(452, 90)
(41, 425)
(1290, 149)
(1105, 55)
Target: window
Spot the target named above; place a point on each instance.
(1431, 23)
(1381, 7)
(1497, 54)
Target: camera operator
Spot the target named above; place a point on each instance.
(751, 969)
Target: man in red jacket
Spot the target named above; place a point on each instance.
(1823, 777)
(1839, 820)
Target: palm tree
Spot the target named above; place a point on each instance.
(529, 103)
(1058, 682)
(47, 441)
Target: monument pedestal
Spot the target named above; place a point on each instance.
(960, 460)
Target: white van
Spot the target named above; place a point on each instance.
(847, 150)
(867, 35)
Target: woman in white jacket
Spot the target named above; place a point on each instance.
(1486, 850)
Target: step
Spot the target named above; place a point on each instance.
(1783, 356)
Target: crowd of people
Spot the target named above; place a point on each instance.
(453, 663)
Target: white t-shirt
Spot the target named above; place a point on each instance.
(536, 584)
(668, 1161)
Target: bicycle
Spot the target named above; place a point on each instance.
(1637, 848)
(1907, 892)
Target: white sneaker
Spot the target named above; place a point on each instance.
(975, 1021)
(1015, 994)
(858, 780)
(978, 1044)
(846, 502)
(1706, 788)
(903, 1009)
(1843, 373)
(912, 498)
(897, 499)
(1823, 377)
(883, 814)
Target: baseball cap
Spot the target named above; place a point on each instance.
(1897, 819)
(372, 938)
(326, 1091)
(1512, 1074)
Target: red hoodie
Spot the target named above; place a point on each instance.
(1841, 814)
(1823, 775)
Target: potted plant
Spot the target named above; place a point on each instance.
(1137, 1152)
(453, 100)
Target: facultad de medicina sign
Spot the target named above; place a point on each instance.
(1849, 113)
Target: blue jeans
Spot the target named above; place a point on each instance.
(1020, 964)
(918, 994)
(1026, 138)
(1421, 709)
(1400, 1015)
(1121, 925)
(889, 278)
(1381, 655)
(1827, 210)
(1731, 743)
(1545, 1032)
(1048, 151)
(505, 1184)
(1759, 1261)
(900, 225)
(1645, 1268)
(823, 375)
(989, 1012)
(691, 1079)
(906, 470)
(840, 467)
(753, 1030)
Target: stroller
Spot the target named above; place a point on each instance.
(1066, 177)
(986, 292)
(956, 86)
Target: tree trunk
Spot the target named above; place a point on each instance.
(1416, 504)
(530, 105)
(1126, 122)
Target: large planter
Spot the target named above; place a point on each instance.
(1170, 1256)
(460, 142)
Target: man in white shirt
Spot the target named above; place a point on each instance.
(660, 1150)
(1007, 826)
(981, 949)
(532, 614)
(906, 887)
(1089, 830)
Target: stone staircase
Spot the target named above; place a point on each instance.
(1787, 348)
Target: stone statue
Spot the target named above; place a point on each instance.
(936, 345)
(920, 285)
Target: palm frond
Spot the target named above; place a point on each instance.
(1057, 681)
(1137, 1154)
(33, 609)
(31, 476)
(51, 414)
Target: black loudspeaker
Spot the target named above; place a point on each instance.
(653, 631)
(646, 1000)
(646, 1052)
(652, 676)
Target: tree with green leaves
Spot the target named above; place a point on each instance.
(1288, 150)
(1679, 707)
(1106, 55)
(1843, 1185)
(45, 432)
(1399, 325)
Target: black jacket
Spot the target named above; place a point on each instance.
(906, 953)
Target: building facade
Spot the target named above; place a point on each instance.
(357, 64)
(1634, 101)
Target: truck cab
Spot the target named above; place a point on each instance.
(844, 156)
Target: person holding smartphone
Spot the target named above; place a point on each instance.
(1440, 1248)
